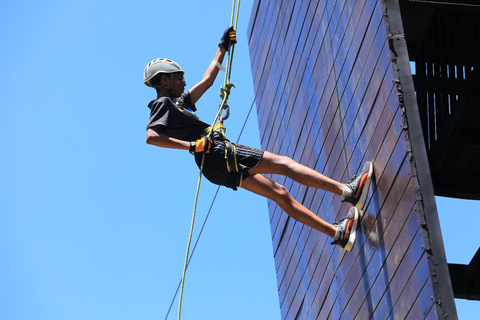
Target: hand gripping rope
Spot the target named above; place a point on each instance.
(224, 94)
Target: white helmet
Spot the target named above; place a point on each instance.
(160, 66)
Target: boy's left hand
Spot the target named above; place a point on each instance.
(229, 38)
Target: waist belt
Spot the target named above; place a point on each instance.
(219, 127)
(230, 150)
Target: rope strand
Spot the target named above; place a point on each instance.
(207, 216)
(226, 91)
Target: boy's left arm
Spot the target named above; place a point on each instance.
(208, 78)
(228, 39)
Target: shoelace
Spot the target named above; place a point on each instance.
(352, 179)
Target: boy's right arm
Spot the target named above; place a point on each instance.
(161, 140)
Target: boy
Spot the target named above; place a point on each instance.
(173, 124)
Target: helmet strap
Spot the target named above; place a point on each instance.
(171, 83)
(169, 88)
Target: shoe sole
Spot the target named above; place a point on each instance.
(367, 168)
(353, 231)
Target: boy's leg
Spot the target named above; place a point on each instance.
(272, 163)
(343, 232)
(268, 188)
(355, 192)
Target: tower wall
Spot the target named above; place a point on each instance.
(329, 95)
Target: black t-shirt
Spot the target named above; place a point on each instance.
(175, 118)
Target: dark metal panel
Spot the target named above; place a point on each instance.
(443, 40)
(465, 278)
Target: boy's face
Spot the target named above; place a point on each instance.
(178, 85)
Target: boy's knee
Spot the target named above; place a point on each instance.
(281, 191)
(282, 196)
(286, 164)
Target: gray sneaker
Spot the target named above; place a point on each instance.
(360, 185)
(348, 230)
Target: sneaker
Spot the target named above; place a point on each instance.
(348, 230)
(360, 185)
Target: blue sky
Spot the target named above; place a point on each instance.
(94, 222)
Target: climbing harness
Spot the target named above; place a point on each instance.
(224, 94)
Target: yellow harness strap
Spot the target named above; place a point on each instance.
(219, 127)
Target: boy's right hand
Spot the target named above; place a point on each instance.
(201, 145)
(229, 38)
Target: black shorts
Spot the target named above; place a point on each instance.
(215, 165)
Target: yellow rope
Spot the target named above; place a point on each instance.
(224, 94)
